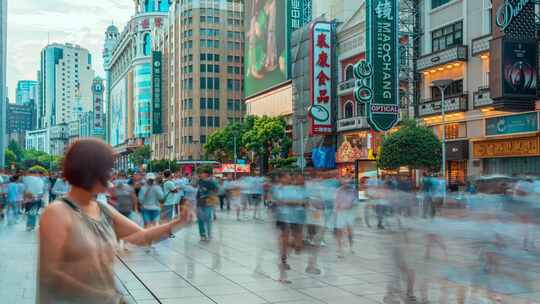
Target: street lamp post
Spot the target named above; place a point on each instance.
(442, 84)
(235, 155)
(301, 119)
(170, 147)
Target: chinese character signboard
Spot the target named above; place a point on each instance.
(97, 90)
(378, 78)
(321, 78)
(156, 94)
(300, 13)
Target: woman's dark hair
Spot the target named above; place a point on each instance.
(87, 162)
(167, 173)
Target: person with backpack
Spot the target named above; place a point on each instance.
(207, 198)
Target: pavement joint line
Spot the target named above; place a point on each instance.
(138, 279)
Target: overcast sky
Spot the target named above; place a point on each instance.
(82, 22)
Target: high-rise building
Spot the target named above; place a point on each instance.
(3, 89)
(127, 58)
(205, 55)
(20, 118)
(26, 92)
(65, 83)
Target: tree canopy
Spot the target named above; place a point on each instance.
(264, 136)
(411, 146)
(141, 155)
(23, 159)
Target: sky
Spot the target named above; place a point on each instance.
(82, 22)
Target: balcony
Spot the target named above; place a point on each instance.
(346, 87)
(350, 124)
(481, 98)
(452, 54)
(456, 103)
(480, 45)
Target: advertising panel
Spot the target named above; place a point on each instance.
(321, 78)
(98, 107)
(118, 113)
(378, 77)
(269, 24)
(505, 125)
(520, 69)
(157, 95)
(266, 52)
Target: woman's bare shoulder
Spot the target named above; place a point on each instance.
(57, 212)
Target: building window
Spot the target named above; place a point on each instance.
(203, 122)
(437, 3)
(454, 89)
(149, 6)
(349, 72)
(447, 36)
(147, 46)
(348, 111)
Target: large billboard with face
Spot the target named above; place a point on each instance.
(266, 53)
(118, 113)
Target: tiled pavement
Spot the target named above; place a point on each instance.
(238, 267)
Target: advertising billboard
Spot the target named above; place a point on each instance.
(512, 124)
(519, 69)
(157, 95)
(321, 78)
(269, 24)
(118, 113)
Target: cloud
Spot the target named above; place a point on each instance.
(32, 23)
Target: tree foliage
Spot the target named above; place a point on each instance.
(25, 159)
(162, 165)
(264, 136)
(10, 158)
(268, 139)
(141, 155)
(411, 146)
(14, 147)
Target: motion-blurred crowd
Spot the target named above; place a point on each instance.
(481, 239)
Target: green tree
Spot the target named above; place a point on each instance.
(10, 158)
(16, 149)
(411, 146)
(141, 155)
(220, 144)
(268, 139)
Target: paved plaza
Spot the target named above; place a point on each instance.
(239, 267)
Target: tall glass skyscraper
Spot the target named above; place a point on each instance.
(26, 91)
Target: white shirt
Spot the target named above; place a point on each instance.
(34, 185)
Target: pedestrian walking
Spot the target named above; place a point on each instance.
(150, 198)
(207, 198)
(34, 189)
(14, 199)
(171, 198)
(78, 235)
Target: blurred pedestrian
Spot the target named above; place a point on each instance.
(207, 199)
(150, 198)
(34, 189)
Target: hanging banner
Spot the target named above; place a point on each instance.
(321, 78)
(378, 84)
(156, 94)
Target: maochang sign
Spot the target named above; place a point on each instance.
(378, 77)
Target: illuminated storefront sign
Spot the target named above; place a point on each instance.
(321, 78)
(508, 11)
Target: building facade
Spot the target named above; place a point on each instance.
(127, 58)
(65, 82)
(20, 118)
(26, 92)
(205, 49)
(3, 89)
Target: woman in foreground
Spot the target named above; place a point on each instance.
(78, 235)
